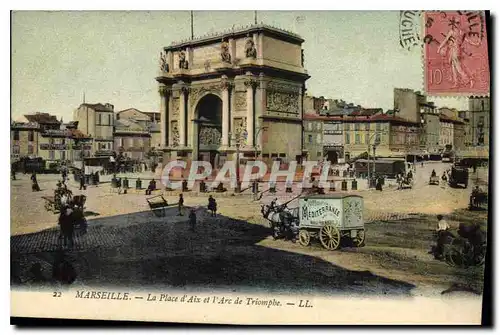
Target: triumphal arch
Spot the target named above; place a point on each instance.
(241, 88)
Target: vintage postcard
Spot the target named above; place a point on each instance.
(251, 167)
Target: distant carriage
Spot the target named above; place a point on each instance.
(459, 175)
(434, 180)
(478, 199)
(404, 182)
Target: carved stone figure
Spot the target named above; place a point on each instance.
(224, 52)
(240, 101)
(175, 107)
(283, 102)
(175, 134)
(250, 50)
(210, 136)
(163, 62)
(183, 63)
(240, 126)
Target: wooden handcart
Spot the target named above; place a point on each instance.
(158, 205)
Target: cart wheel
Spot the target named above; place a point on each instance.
(359, 240)
(481, 256)
(329, 237)
(304, 237)
(453, 253)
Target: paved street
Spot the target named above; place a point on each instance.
(127, 244)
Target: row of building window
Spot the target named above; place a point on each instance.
(31, 135)
(357, 139)
(101, 118)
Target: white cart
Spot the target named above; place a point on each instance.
(330, 218)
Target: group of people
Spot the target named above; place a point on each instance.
(444, 176)
(472, 233)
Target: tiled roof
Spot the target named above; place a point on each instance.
(445, 118)
(42, 118)
(357, 118)
(100, 107)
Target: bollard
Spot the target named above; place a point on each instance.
(344, 185)
(125, 183)
(354, 185)
(332, 187)
(255, 187)
(272, 188)
(237, 189)
(138, 184)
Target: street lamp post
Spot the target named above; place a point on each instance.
(237, 140)
(368, 164)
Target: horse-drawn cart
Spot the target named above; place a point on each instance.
(331, 219)
(466, 247)
(158, 205)
(405, 182)
(55, 203)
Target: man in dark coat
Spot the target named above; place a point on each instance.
(212, 205)
(82, 181)
(34, 185)
(180, 205)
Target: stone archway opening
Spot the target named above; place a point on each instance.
(208, 128)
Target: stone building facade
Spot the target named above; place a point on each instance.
(479, 120)
(48, 138)
(392, 136)
(97, 121)
(240, 88)
(313, 138)
(24, 138)
(333, 140)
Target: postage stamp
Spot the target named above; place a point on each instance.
(455, 53)
(227, 179)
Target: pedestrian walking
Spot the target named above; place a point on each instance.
(82, 181)
(13, 173)
(180, 205)
(34, 183)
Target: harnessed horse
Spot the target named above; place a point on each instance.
(281, 219)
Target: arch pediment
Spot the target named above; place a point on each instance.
(198, 93)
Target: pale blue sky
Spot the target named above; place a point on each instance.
(113, 56)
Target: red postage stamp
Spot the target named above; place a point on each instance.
(456, 53)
